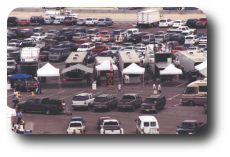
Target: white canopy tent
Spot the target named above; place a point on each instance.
(106, 66)
(133, 69)
(171, 70)
(202, 68)
(48, 70)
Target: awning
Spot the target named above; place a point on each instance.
(48, 70)
(20, 76)
(134, 69)
(162, 65)
(106, 66)
(202, 68)
(79, 67)
(171, 70)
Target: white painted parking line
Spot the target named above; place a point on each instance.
(174, 97)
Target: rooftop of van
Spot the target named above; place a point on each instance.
(84, 94)
(198, 82)
(76, 57)
(147, 118)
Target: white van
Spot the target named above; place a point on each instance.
(147, 125)
(195, 93)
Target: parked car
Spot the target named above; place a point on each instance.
(178, 37)
(160, 38)
(100, 122)
(191, 23)
(41, 105)
(38, 36)
(36, 20)
(24, 33)
(76, 127)
(59, 20)
(78, 36)
(202, 23)
(23, 22)
(104, 22)
(178, 48)
(203, 40)
(148, 39)
(92, 32)
(178, 23)
(153, 103)
(115, 49)
(147, 125)
(105, 102)
(91, 21)
(129, 101)
(131, 31)
(58, 54)
(86, 47)
(81, 22)
(189, 127)
(136, 37)
(12, 21)
(11, 35)
(165, 23)
(11, 66)
(49, 20)
(111, 126)
(83, 100)
(99, 49)
(191, 40)
(70, 20)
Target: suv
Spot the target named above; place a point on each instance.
(36, 20)
(190, 127)
(12, 21)
(105, 101)
(90, 21)
(111, 126)
(83, 100)
(130, 101)
(147, 125)
(58, 54)
(105, 22)
(76, 126)
(153, 103)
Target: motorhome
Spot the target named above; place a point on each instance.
(148, 18)
(188, 59)
(73, 65)
(127, 57)
(196, 93)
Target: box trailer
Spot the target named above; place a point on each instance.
(29, 55)
(148, 18)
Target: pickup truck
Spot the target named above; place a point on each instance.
(105, 101)
(183, 30)
(83, 100)
(111, 126)
(77, 125)
(41, 105)
(129, 101)
(190, 127)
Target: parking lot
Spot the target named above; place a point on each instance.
(169, 118)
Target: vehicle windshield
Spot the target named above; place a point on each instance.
(159, 36)
(162, 20)
(101, 20)
(111, 123)
(89, 19)
(100, 99)
(75, 125)
(128, 97)
(80, 98)
(145, 37)
(80, 19)
(188, 125)
(189, 37)
(150, 100)
(36, 34)
(83, 46)
(114, 48)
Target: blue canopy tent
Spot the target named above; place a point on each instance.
(20, 76)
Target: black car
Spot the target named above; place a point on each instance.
(36, 20)
(175, 37)
(12, 21)
(129, 101)
(191, 23)
(24, 33)
(190, 127)
(11, 35)
(153, 103)
(105, 102)
(41, 105)
(136, 37)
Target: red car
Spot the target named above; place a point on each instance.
(99, 48)
(202, 22)
(178, 48)
(24, 22)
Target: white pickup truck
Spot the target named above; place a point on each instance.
(83, 100)
(111, 126)
(183, 30)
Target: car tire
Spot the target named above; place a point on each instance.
(47, 112)
(191, 103)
